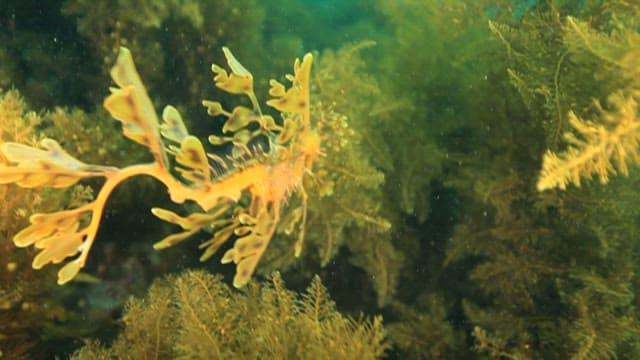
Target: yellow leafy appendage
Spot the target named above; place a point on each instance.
(601, 148)
(268, 177)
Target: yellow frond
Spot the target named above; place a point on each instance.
(600, 149)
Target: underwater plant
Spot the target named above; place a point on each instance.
(19, 289)
(610, 141)
(195, 315)
(346, 208)
(29, 314)
(600, 150)
(552, 274)
(197, 26)
(270, 174)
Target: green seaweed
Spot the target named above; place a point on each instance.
(546, 278)
(424, 201)
(196, 27)
(29, 312)
(195, 315)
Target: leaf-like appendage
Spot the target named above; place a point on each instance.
(192, 156)
(58, 237)
(234, 64)
(240, 81)
(194, 220)
(191, 223)
(239, 118)
(232, 83)
(172, 127)
(248, 249)
(296, 98)
(131, 105)
(47, 167)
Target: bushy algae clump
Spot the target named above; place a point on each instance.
(195, 315)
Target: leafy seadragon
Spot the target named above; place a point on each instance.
(268, 177)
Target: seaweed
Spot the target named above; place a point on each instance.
(423, 332)
(609, 141)
(348, 208)
(600, 150)
(346, 189)
(25, 309)
(195, 315)
(421, 183)
(170, 38)
(552, 273)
